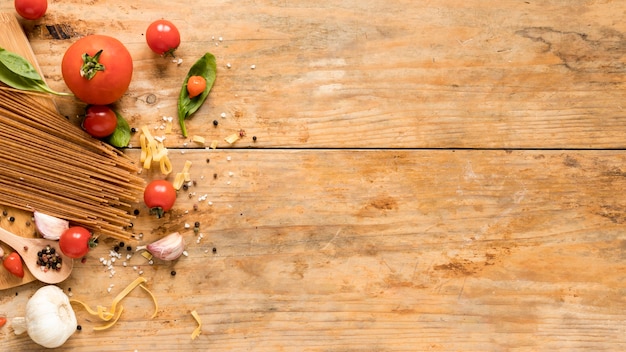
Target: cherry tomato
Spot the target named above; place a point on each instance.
(195, 86)
(103, 76)
(159, 196)
(100, 121)
(31, 9)
(13, 263)
(163, 37)
(75, 242)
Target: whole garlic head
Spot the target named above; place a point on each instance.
(49, 319)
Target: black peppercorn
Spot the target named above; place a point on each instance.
(214, 250)
(173, 273)
(129, 248)
(215, 122)
(196, 224)
(12, 218)
(79, 328)
(136, 211)
(254, 138)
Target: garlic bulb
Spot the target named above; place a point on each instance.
(49, 318)
(169, 247)
(49, 226)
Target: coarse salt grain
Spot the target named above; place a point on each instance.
(252, 67)
(223, 114)
(228, 158)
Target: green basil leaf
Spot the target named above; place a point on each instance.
(205, 67)
(17, 72)
(18, 65)
(14, 80)
(121, 136)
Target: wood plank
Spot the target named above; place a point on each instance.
(374, 250)
(405, 74)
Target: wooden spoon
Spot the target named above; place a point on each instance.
(27, 248)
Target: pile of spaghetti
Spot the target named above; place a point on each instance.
(50, 165)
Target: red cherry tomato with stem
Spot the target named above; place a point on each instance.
(13, 263)
(159, 196)
(76, 241)
(103, 74)
(100, 121)
(163, 37)
(31, 9)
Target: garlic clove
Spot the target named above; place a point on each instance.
(50, 227)
(169, 247)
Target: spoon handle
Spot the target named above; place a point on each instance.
(13, 240)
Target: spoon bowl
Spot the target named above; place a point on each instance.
(27, 248)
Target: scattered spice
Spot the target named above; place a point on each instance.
(48, 259)
(173, 273)
(79, 328)
(254, 138)
(215, 122)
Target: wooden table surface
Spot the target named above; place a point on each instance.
(437, 175)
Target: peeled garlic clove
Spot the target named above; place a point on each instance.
(169, 247)
(50, 227)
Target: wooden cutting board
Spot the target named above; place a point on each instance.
(17, 221)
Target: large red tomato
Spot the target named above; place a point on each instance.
(97, 69)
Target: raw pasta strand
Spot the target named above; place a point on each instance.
(50, 165)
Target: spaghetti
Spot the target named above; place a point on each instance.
(50, 165)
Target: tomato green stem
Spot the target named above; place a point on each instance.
(91, 66)
(158, 211)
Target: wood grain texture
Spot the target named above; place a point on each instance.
(404, 74)
(394, 250)
(355, 222)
